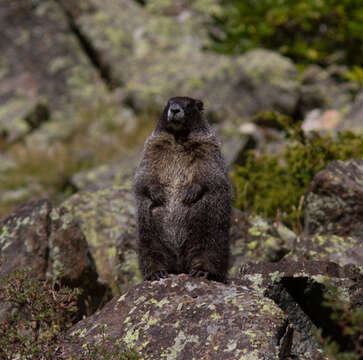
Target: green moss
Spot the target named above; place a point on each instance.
(274, 185)
(324, 31)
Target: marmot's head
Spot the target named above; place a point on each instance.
(182, 115)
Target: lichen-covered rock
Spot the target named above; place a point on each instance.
(353, 120)
(107, 220)
(70, 259)
(116, 173)
(49, 244)
(184, 318)
(160, 47)
(299, 289)
(55, 66)
(24, 238)
(333, 229)
(324, 89)
(20, 117)
(334, 200)
(45, 62)
(256, 239)
(342, 250)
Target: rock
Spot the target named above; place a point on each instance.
(353, 121)
(19, 118)
(334, 200)
(184, 318)
(299, 288)
(70, 260)
(57, 71)
(167, 42)
(256, 239)
(321, 120)
(107, 220)
(333, 216)
(24, 238)
(116, 173)
(48, 243)
(342, 250)
(324, 89)
(55, 67)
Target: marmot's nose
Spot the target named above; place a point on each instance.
(175, 108)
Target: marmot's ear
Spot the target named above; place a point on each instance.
(199, 105)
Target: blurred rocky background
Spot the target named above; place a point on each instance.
(82, 83)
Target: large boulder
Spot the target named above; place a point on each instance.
(42, 58)
(333, 216)
(161, 49)
(354, 119)
(107, 220)
(334, 200)
(116, 173)
(300, 289)
(50, 245)
(324, 89)
(185, 318)
(255, 239)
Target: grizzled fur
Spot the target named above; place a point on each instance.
(183, 197)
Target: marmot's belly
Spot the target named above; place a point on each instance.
(175, 219)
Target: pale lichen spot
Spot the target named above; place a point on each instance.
(131, 337)
(140, 300)
(160, 303)
(123, 297)
(128, 318)
(190, 287)
(232, 344)
(215, 316)
(79, 332)
(276, 276)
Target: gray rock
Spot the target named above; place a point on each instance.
(333, 216)
(353, 121)
(49, 244)
(183, 318)
(107, 220)
(324, 89)
(334, 200)
(258, 240)
(160, 47)
(299, 288)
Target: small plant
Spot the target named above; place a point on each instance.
(38, 314)
(106, 348)
(350, 321)
(274, 185)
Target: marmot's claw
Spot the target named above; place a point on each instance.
(162, 274)
(199, 273)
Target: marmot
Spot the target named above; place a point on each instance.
(183, 197)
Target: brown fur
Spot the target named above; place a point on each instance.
(183, 200)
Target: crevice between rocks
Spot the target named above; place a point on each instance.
(302, 300)
(95, 57)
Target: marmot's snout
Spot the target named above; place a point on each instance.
(175, 113)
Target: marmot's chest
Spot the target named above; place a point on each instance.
(177, 168)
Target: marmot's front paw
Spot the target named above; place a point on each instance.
(156, 195)
(193, 194)
(157, 275)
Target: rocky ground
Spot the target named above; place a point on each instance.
(82, 83)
